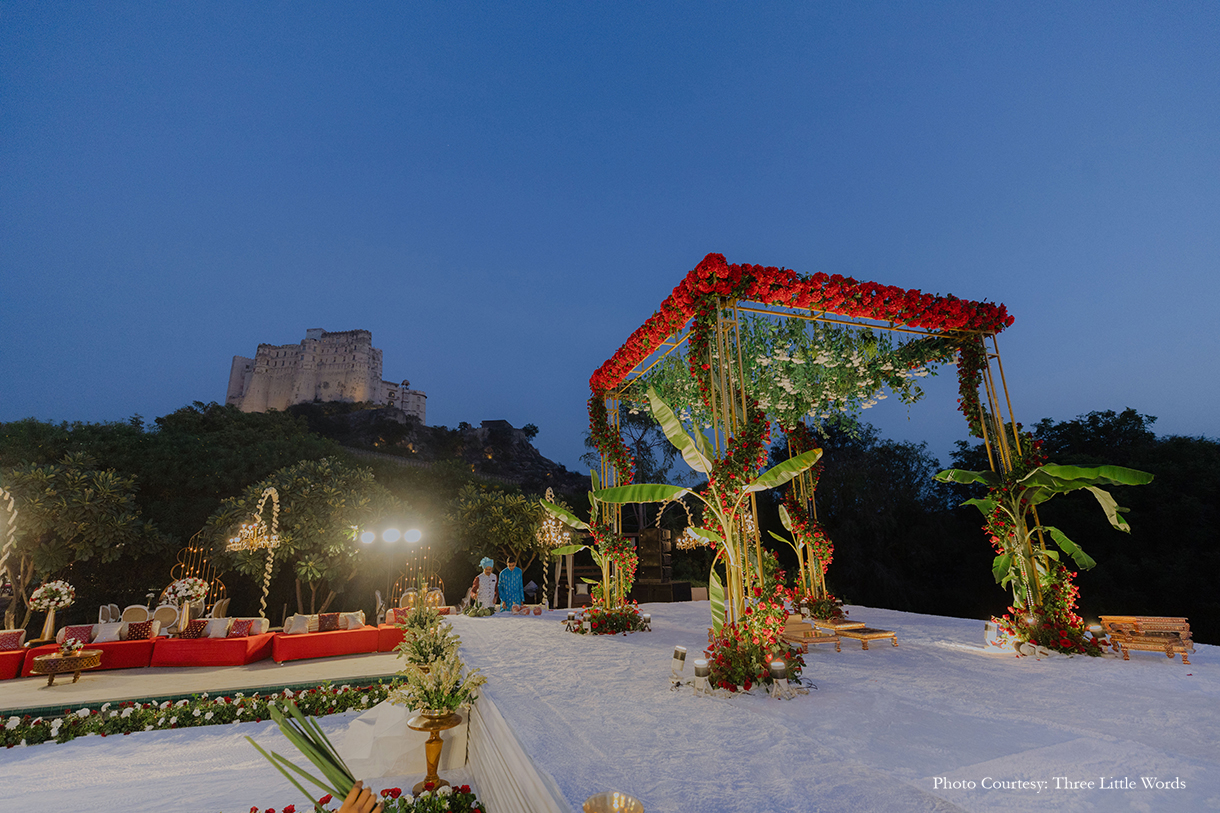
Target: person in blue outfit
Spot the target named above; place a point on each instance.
(512, 594)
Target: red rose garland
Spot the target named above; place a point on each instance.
(714, 279)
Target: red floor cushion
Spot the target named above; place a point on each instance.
(323, 644)
(388, 637)
(115, 654)
(212, 651)
(11, 663)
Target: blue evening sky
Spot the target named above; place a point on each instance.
(503, 192)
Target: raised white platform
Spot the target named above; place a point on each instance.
(882, 727)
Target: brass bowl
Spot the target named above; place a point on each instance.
(612, 801)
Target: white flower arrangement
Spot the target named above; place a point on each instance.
(190, 588)
(54, 595)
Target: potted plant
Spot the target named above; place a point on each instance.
(441, 689)
(422, 647)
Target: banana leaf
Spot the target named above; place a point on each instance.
(703, 445)
(640, 492)
(987, 478)
(673, 429)
(1095, 475)
(1111, 508)
(564, 515)
(710, 536)
(785, 540)
(1000, 566)
(782, 473)
(984, 504)
(567, 549)
(785, 518)
(715, 592)
(1082, 559)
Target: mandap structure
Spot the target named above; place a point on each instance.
(736, 349)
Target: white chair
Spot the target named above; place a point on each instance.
(167, 614)
(221, 608)
(408, 598)
(135, 613)
(381, 608)
(115, 613)
(103, 614)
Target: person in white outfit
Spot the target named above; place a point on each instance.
(484, 588)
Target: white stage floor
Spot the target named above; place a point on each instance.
(596, 713)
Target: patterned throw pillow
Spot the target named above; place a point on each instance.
(81, 633)
(396, 616)
(194, 629)
(139, 630)
(241, 628)
(328, 622)
(11, 639)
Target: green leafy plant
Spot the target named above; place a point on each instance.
(445, 685)
(1009, 509)
(322, 501)
(611, 552)
(422, 646)
(420, 617)
(1044, 597)
(724, 503)
(310, 740)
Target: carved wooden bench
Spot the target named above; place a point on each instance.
(866, 634)
(1149, 634)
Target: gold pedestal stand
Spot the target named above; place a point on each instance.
(435, 723)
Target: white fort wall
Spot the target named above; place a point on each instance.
(324, 366)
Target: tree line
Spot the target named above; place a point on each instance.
(110, 506)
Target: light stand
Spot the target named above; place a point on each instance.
(676, 666)
(780, 690)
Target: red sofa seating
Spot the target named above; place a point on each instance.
(115, 654)
(388, 637)
(11, 663)
(286, 647)
(212, 651)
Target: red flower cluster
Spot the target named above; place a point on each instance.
(714, 279)
(609, 442)
(612, 620)
(1059, 627)
(809, 530)
(741, 655)
(971, 361)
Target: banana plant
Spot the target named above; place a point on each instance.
(808, 565)
(613, 586)
(724, 508)
(1010, 508)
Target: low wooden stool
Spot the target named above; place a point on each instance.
(836, 624)
(1148, 634)
(802, 633)
(866, 634)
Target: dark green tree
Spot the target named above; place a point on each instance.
(71, 512)
(322, 503)
(487, 520)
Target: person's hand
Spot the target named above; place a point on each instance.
(360, 800)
